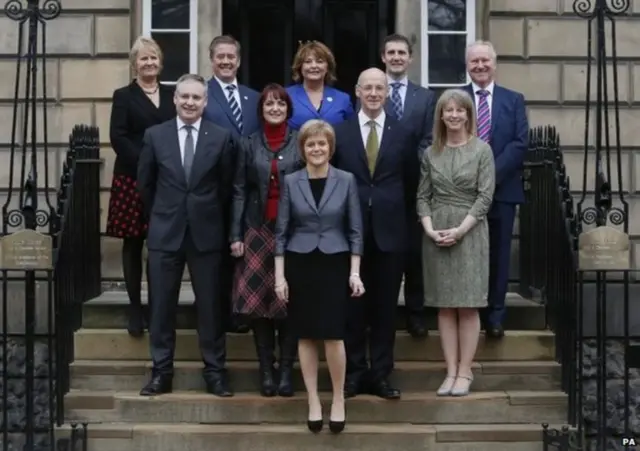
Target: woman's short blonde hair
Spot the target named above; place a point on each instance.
(312, 128)
(144, 43)
(460, 98)
(320, 51)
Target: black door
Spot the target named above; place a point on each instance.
(269, 32)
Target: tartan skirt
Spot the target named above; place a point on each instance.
(254, 279)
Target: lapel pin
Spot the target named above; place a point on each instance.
(330, 99)
(246, 98)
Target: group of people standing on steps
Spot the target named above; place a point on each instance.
(298, 214)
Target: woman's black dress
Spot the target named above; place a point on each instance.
(318, 289)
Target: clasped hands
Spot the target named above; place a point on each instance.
(282, 287)
(447, 237)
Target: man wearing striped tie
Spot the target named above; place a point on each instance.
(234, 107)
(502, 122)
(413, 105)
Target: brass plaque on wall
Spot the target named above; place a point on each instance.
(27, 250)
(604, 249)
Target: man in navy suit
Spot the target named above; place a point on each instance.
(381, 153)
(502, 122)
(234, 107)
(414, 106)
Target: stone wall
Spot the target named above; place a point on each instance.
(87, 49)
(542, 49)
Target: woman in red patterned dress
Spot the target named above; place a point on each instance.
(264, 159)
(139, 105)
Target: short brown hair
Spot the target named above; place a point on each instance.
(315, 127)
(396, 38)
(461, 98)
(224, 39)
(279, 93)
(319, 50)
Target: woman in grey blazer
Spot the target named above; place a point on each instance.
(318, 248)
(264, 159)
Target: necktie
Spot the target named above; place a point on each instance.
(189, 151)
(372, 146)
(396, 101)
(233, 105)
(484, 116)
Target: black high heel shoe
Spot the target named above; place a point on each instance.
(315, 426)
(336, 427)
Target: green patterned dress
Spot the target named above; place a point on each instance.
(454, 183)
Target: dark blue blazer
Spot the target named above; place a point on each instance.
(336, 106)
(387, 198)
(218, 111)
(509, 142)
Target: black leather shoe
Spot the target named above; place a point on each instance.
(496, 332)
(288, 350)
(351, 389)
(264, 337)
(416, 326)
(158, 385)
(315, 426)
(219, 387)
(384, 390)
(336, 427)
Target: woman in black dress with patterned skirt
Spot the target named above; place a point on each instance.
(264, 159)
(317, 264)
(136, 107)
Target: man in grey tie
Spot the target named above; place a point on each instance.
(184, 175)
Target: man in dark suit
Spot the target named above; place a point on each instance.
(184, 176)
(414, 107)
(232, 106)
(502, 122)
(381, 153)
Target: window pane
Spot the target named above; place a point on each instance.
(170, 14)
(446, 59)
(447, 15)
(175, 47)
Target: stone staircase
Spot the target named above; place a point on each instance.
(516, 388)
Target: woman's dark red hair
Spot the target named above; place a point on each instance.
(278, 93)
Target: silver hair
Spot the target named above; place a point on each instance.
(488, 44)
(192, 77)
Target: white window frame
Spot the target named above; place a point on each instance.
(192, 30)
(424, 41)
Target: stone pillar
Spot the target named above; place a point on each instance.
(408, 24)
(209, 26)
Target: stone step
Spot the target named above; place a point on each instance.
(109, 311)
(527, 407)
(116, 344)
(409, 376)
(270, 437)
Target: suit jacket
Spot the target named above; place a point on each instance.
(218, 111)
(173, 203)
(417, 116)
(509, 142)
(253, 177)
(388, 197)
(333, 226)
(336, 106)
(131, 114)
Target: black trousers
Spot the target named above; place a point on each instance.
(166, 277)
(381, 273)
(413, 282)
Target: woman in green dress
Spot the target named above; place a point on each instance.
(454, 196)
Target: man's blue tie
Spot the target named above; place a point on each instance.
(233, 105)
(396, 101)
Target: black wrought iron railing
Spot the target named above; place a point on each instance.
(77, 247)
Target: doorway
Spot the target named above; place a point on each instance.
(269, 32)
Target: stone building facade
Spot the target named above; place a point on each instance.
(541, 46)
